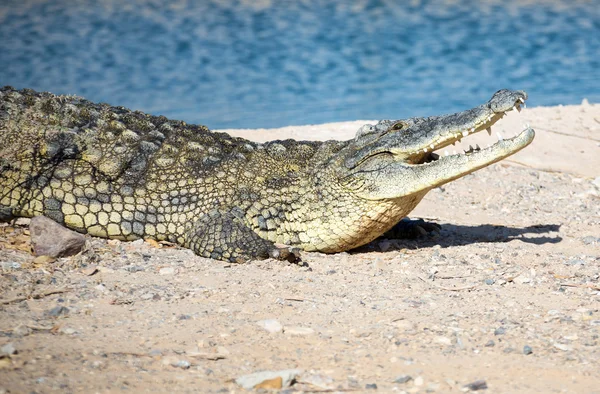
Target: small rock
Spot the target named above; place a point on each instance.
(500, 331)
(51, 239)
(68, 331)
(8, 349)
(590, 240)
(527, 350)
(58, 311)
(575, 262)
(477, 385)
(419, 381)
(371, 386)
(155, 352)
(521, 279)
(299, 330)
(21, 330)
(183, 364)
(10, 265)
(403, 379)
(563, 347)
(166, 271)
(443, 340)
(268, 379)
(490, 281)
(490, 343)
(90, 270)
(271, 325)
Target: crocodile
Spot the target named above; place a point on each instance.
(111, 172)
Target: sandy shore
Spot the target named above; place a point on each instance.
(507, 293)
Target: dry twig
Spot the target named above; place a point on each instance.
(35, 296)
(582, 285)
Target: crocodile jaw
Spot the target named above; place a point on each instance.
(447, 168)
(390, 162)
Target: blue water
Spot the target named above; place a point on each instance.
(262, 63)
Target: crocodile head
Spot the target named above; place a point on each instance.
(393, 159)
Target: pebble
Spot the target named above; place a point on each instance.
(166, 271)
(575, 262)
(51, 239)
(500, 331)
(403, 379)
(268, 379)
(590, 240)
(476, 385)
(419, 381)
(183, 364)
(521, 279)
(68, 331)
(490, 343)
(490, 281)
(299, 330)
(8, 349)
(58, 311)
(563, 347)
(443, 340)
(10, 265)
(527, 350)
(271, 325)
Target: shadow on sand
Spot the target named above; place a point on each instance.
(458, 235)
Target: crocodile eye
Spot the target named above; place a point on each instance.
(398, 126)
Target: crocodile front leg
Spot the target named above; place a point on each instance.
(224, 236)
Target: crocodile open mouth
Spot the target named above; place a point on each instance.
(436, 149)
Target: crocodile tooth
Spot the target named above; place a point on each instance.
(425, 150)
(465, 133)
(489, 131)
(432, 146)
(518, 108)
(446, 153)
(477, 147)
(521, 100)
(500, 138)
(472, 130)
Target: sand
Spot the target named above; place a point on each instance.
(507, 293)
